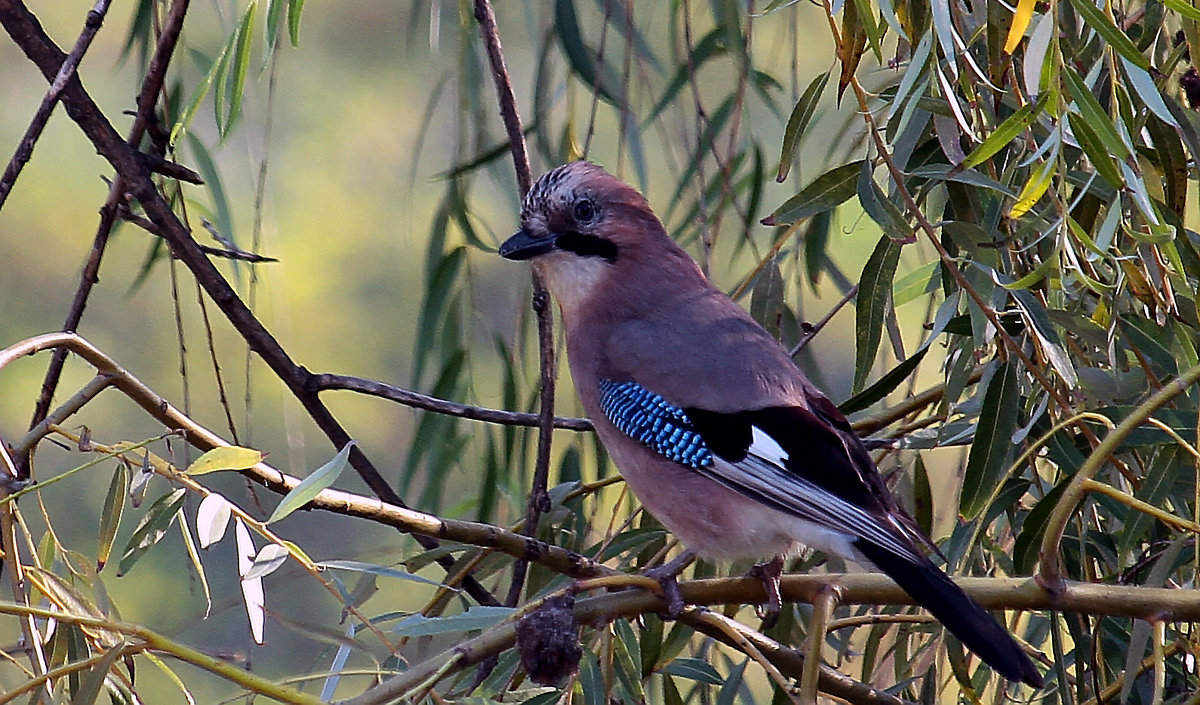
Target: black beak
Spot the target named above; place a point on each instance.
(523, 245)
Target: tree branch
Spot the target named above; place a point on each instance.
(321, 382)
(1158, 604)
(25, 30)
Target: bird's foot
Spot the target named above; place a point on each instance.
(769, 573)
(666, 575)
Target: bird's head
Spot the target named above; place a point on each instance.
(580, 225)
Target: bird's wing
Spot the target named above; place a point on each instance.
(787, 457)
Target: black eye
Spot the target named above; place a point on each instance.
(584, 210)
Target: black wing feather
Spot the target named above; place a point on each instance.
(826, 477)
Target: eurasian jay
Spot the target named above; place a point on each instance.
(713, 427)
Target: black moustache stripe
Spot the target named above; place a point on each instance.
(587, 245)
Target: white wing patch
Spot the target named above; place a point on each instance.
(767, 448)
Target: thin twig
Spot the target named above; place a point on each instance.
(231, 253)
(811, 331)
(539, 501)
(91, 25)
(322, 382)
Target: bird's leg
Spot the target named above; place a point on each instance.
(769, 573)
(665, 574)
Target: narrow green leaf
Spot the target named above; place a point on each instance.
(487, 156)
(633, 643)
(766, 299)
(801, 115)
(670, 691)
(873, 29)
(380, 570)
(1039, 273)
(694, 669)
(710, 47)
(1173, 161)
(221, 81)
(874, 296)
(816, 240)
(880, 208)
(1096, 117)
(1099, 20)
(944, 172)
(312, 485)
(222, 212)
(477, 618)
(716, 123)
(594, 73)
(917, 282)
(923, 508)
(627, 657)
(140, 34)
(1091, 145)
(93, 684)
(1157, 483)
(239, 66)
(728, 694)
(1184, 8)
(884, 385)
(151, 528)
(620, 17)
(441, 283)
(110, 519)
(1038, 319)
(273, 21)
(295, 8)
(1004, 133)
(992, 444)
(198, 95)
(825, 192)
(189, 547)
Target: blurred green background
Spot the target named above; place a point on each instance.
(367, 114)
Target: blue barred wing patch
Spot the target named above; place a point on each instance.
(652, 421)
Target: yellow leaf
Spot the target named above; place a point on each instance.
(1033, 190)
(1020, 22)
(225, 458)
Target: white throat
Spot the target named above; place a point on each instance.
(572, 279)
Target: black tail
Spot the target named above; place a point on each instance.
(965, 619)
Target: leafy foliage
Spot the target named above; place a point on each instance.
(1006, 196)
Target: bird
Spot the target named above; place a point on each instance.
(711, 424)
